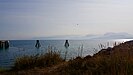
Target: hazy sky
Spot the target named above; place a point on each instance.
(21, 19)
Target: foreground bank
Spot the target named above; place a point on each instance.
(111, 61)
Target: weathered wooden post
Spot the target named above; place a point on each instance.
(4, 44)
(38, 45)
(66, 46)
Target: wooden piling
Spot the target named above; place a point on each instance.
(38, 45)
(4, 44)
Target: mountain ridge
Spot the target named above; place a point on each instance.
(109, 35)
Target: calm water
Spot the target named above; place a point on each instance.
(27, 47)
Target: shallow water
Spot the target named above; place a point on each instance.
(27, 47)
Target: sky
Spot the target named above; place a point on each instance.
(24, 19)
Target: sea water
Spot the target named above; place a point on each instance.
(20, 48)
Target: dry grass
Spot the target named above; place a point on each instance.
(41, 61)
(111, 61)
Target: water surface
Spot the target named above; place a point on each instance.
(19, 48)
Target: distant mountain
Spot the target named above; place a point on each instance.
(116, 34)
(91, 36)
(60, 37)
(112, 35)
(109, 35)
